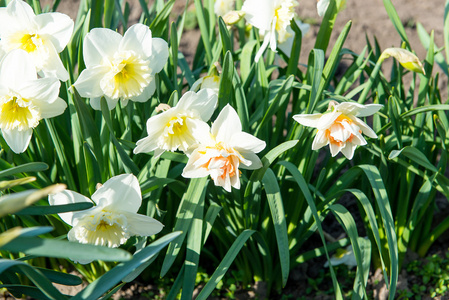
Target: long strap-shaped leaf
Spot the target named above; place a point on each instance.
(348, 223)
(380, 193)
(280, 226)
(194, 194)
(100, 286)
(224, 265)
(35, 276)
(305, 190)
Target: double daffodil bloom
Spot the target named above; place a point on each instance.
(42, 36)
(25, 99)
(114, 218)
(223, 150)
(174, 129)
(340, 127)
(271, 17)
(120, 67)
(406, 58)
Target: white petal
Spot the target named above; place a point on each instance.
(226, 125)
(256, 163)
(245, 142)
(356, 109)
(88, 83)
(159, 55)
(146, 93)
(67, 197)
(322, 6)
(200, 131)
(328, 119)
(17, 140)
(54, 109)
(138, 39)
(100, 43)
(142, 225)
(365, 128)
(320, 140)
(57, 27)
(22, 12)
(348, 150)
(259, 13)
(203, 102)
(190, 170)
(16, 67)
(264, 46)
(121, 192)
(334, 148)
(369, 110)
(42, 91)
(145, 145)
(308, 120)
(54, 66)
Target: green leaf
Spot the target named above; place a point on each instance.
(34, 275)
(226, 89)
(100, 286)
(224, 265)
(280, 226)
(391, 11)
(54, 209)
(415, 155)
(299, 179)
(64, 249)
(347, 221)
(24, 168)
(195, 194)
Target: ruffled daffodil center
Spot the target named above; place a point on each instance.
(30, 42)
(338, 133)
(18, 113)
(283, 14)
(103, 229)
(128, 76)
(177, 134)
(224, 163)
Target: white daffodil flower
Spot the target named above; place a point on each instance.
(271, 17)
(224, 149)
(120, 67)
(207, 82)
(42, 36)
(25, 99)
(222, 7)
(343, 256)
(174, 128)
(340, 127)
(114, 218)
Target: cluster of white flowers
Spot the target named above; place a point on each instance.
(30, 70)
(217, 151)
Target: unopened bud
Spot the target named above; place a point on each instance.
(407, 59)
